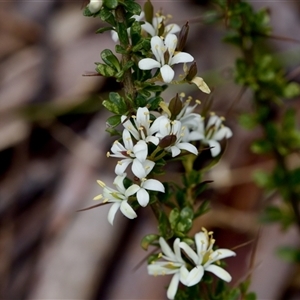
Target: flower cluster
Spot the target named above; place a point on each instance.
(190, 271)
(168, 133)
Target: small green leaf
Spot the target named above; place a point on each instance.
(148, 240)
(110, 59)
(289, 254)
(103, 29)
(114, 121)
(111, 4)
(133, 7)
(105, 70)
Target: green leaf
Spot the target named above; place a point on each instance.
(103, 29)
(122, 33)
(135, 32)
(110, 59)
(164, 226)
(111, 4)
(114, 121)
(174, 217)
(289, 254)
(133, 7)
(148, 240)
(107, 16)
(291, 90)
(203, 208)
(115, 104)
(105, 70)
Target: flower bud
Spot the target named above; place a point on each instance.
(175, 106)
(95, 5)
(183, 34)
(192, 72)
(167, 141)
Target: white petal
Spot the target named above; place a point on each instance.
(171, 43)
(220, 254)
(140, 150)
(189, 252)
(118, 182)
(172, 290)
(148, 28)
(167, 73)
(201, 243)
(132, 190)
(176, 247)
(165, 248)
(181, 57)
(112, 212)
(158, 49)
(175, 151)
(142, 117)
(153, 185)
(215, 147)
(214, 120)
(142, 197)
(188, 147)
(222, 133)
(162, 268)
(218, 271)
(196, 136)
(148, 64)
(127, 210)
(153, 139)
(122, 165)
(128, 125)
(172, 28)
(195, 276)
(127, 140)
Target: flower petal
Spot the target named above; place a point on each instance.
(188, 147)
(158, 49)
(167, 73)
(142, 197)
(175, 151)
(220, 254)
(181, 57)
(148, 28)
(171, 43)
(127, 210)
(172, 290)
(222, 133)
(189, 252)
(148, 64)
(112, 212)
(219, 272)
(153, 185)
(215, 147)
(195, 276)
(122, 165)
(165, 248)
(132, 190)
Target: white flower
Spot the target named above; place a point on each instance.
(142, 129)
(205, 258)
(175, 128)
(146, 184)
(164, 52)
(172, 264)
(153, 29)
(129, 153)
(119, 197)
(211, 134)
(95, 5)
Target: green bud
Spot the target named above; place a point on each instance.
(148, 9)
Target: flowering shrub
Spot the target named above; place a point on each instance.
(153, 132)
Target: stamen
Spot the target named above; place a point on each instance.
(107, 154)
(101, 183)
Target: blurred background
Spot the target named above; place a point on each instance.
(52, 151)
